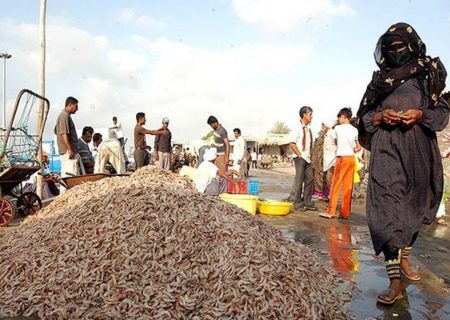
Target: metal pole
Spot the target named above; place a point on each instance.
(4, 56)
(40, 119)
(4, 93)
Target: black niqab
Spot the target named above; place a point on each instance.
(429, 71)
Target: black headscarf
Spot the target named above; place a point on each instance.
(430, 72)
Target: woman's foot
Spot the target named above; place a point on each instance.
(391, 294)
(408, 271)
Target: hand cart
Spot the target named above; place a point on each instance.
(18, 155)
(72, 181)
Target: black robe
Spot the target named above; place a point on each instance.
(406, 176)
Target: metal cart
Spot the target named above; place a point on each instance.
(72, 181)
(18, 155)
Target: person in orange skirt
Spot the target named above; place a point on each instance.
(346, 138)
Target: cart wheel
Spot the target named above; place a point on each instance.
(7, 212)
(28, 203)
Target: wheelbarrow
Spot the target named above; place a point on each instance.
(72, 181)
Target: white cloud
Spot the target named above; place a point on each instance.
(130, 16)
(246, 86)
(277, 16)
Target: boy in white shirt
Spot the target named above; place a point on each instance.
(346, 137)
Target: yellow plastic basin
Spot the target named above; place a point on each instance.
(274, 207)
(243, 201)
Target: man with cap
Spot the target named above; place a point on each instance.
(163, 146)
(211, 179)
(140, 144)
(221, 143)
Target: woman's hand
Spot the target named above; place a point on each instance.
(411, 116)
(390, 117)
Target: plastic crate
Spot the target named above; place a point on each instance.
(231, 187)
(253, 187)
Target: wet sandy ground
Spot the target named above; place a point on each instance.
(346, 247)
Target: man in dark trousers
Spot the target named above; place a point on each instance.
(301, 143)
(83, 149)
(163, 146)
(221, 143)
(139, 139)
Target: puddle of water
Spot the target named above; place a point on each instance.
(352, 258)
(367, 276)
(346, 246)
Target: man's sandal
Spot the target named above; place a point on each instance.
(389, 292)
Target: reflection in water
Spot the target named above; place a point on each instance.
(399, 311)
(352, 257)
(343, 256)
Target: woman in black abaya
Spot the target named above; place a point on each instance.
(398, 117)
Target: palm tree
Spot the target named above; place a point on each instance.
(280, 127)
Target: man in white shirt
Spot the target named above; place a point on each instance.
(254, 157)
(210, 179)
(238, 150)
(301, 143)
(346, 137)
(115, 131)
(184, 171)
(109, 151)
(199, 147)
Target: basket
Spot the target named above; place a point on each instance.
(274, 208)
(253, 187)
(231, 187)
(243, 201)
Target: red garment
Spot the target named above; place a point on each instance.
(304, 138)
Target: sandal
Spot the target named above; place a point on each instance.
(389, 292)
(413, 277)
(411, 274)
(327, 215)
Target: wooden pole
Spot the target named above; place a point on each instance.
(40, 119)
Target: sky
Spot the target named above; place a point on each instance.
(250, 63)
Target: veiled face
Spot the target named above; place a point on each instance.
(396, 46)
